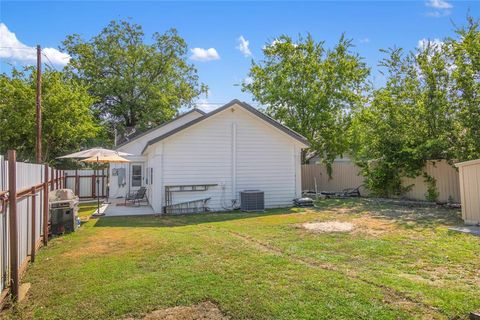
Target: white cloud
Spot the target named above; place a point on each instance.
(12, 49)
(205, 106)
(424, 43)
(442, 8)
(439, 4)
(438, 13)
(243, 46)
(364, 40)
(200, 54)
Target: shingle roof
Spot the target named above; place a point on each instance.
(247, 107)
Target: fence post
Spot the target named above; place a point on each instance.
(52, 180)
(45, 207)
(64, 179)
(12, 206)
(77, 188)
(34, 222)
(103, 182)
(94, 193)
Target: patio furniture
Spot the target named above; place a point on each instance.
(136, 197)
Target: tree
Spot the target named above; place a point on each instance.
(311, 89)
(135, 84)
(68, 122)
(464, 52)
(429, 109)
(408, 122)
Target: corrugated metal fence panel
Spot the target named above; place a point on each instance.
(346, 175)
(3, 229)
(28, 175)
(85, 183)
(448, 184)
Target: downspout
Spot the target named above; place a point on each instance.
(234, 161)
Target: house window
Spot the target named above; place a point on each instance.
(136, 175)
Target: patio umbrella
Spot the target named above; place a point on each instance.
(101, 152)
(98, 155)
(112, 158)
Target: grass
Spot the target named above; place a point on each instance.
(85, 210)
(398, 263)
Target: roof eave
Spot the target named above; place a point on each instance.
(271, 121)
(203, 113)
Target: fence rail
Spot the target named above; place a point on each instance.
(347, 175)
(84, 183)
(24, 191)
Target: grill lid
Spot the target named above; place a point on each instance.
(61, 195)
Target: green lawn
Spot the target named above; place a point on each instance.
(397, 263)
(85, 210)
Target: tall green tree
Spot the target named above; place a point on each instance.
(135, 84)
(407, 122)
(68, 122)
(429, 109)
(464, 52)
(311, 89)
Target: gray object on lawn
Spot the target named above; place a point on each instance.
(303, 202)
(345, 193)
(252, 200)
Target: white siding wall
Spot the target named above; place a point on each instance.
(265, 161)
(235, 150)
(469, 190)
(120, 191)
(136, 146)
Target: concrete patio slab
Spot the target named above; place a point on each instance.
(117, 207)
(474, 230)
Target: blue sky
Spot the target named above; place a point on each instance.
(218, 25)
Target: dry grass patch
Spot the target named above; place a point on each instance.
(328, 226)
(202, 311)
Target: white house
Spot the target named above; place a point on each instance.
(233, 148)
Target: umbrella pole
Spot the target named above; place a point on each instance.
(98, 190)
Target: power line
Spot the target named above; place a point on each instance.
(51, 64)
(17, 48)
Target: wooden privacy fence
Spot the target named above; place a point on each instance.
(347, 175)
(84, 183)
(24, 209)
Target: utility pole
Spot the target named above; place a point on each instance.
(38, 143)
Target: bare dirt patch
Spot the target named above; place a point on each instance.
(201, 311)
(328, 226)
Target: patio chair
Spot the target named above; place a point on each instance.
(136, 197)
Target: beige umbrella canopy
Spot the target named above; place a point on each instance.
(106, 159)
(94, 152)
(98, 155)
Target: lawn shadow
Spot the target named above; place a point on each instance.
(166, 221)
(406, 214)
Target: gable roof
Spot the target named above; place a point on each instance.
(247, 107)
(141, 134)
